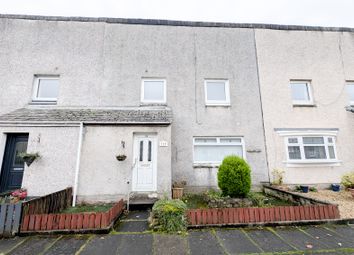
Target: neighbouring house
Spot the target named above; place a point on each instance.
(174, 98)
(306, 80)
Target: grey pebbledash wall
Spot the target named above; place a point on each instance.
(101, 64)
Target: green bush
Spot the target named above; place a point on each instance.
(169, 215)
(348, 180)
(234, 177)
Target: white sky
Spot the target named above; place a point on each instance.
(294, 12)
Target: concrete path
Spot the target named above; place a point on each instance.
(132, 237)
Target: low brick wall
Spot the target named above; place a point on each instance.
(71, 221)
(234, 216)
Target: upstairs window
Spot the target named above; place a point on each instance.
(350, 91)
(153, 91)
(217, 92)
(46, 88)
(311, 148)
(301, 93)
(215, 149)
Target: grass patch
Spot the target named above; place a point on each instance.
(88, 208)
(195, 201)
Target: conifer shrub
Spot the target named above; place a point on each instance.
(234, 177)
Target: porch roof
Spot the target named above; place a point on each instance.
(124, 115)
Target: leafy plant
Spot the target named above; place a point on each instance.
(313, 189)
(278, 176)
(169, 215)
(179, 184)
(234, 177)
(214, 194)
(258, 199)
(348, 180)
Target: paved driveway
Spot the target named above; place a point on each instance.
(133, 237)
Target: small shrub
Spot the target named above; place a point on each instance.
(213, 194)
(348, 180)
(257, 199)
(313, 189)
(234, 177)
(169, 216)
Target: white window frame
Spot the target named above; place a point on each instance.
(225, 102)
(350, 83)
(143, 100)
(218, 143)
(300, 144)
(309, 91)
(37, 79)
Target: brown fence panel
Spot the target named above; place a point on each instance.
(225, 216)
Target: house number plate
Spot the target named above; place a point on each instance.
(163, 143)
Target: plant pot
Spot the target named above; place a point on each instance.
(351, 191)
(29, 159)
(335, 187)
(304, 188)
(121, 157)
(177, 193)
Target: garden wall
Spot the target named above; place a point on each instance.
(234, 216)
(67, 222)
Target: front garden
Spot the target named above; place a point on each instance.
(236, 205)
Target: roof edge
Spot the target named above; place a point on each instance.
(160, 22)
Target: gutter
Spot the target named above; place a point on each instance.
(77, 167)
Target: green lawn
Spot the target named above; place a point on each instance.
(88, 208)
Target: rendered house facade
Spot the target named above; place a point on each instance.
(174, 98)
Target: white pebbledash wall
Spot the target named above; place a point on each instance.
(325, 58)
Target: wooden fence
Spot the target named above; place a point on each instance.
(234, 216)
(51, 203)
(72, 221)
(10, 216)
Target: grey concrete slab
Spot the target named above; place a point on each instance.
(344, 231)
(102, 244)
(204, 242)
(34, 245)
(268, 241)
(170, 244)
(136, 244)
(133, 226)
(328, 237)
(8, 244)
(138, 215)
(300, 240)
(67, 245)
(236, 242)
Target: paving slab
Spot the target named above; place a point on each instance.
(236, 242)
(139, 244)
(133, 226)
(102, 244)
(8, 244)
(170, 244)
(300, 240)
(344, 231)
(331, 239)
(204, 242)
(268, 241)
(67, 245)
(138, 215)
(34, 246)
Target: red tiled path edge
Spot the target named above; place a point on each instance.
(225, 216)
(71, 221)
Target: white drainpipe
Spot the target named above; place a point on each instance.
(77, 168)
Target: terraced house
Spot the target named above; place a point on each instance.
(121, 106)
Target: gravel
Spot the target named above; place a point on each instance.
(344, 200)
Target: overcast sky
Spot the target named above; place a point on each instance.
(294, 12)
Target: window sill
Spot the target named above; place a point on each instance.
(304, 105)
(312, 163)
(152, 104)
(43, 103)
(218, 105)
(206, 165)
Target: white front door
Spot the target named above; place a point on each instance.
(145, 159)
